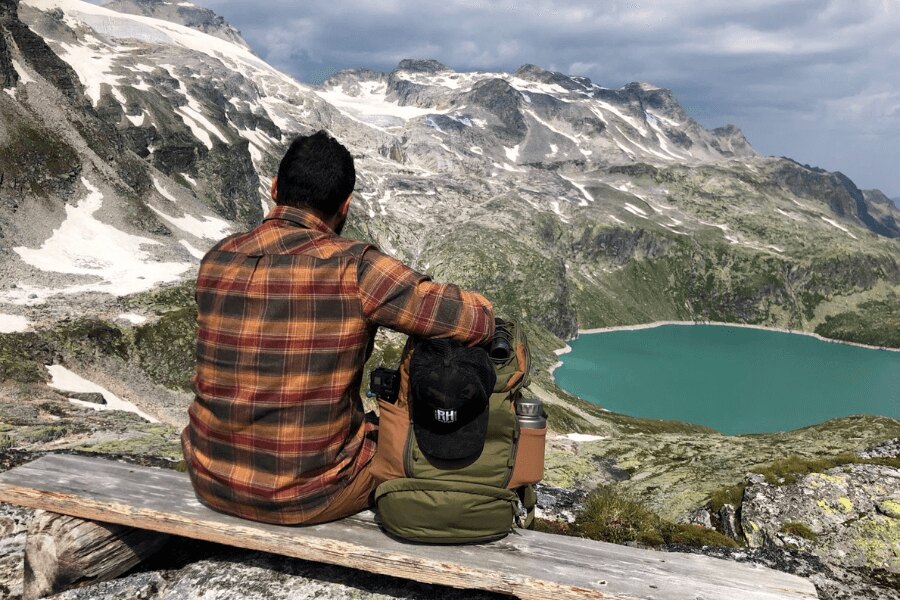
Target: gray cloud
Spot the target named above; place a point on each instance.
(816, 80)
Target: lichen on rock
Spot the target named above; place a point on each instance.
(848, 509)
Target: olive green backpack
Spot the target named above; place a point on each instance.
(478, 502)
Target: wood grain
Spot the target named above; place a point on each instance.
(526, 564)
(61, 551)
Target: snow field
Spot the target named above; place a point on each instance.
(66, 381)
(211, 228)
(13, 323)
(83, 245)
(371, 103)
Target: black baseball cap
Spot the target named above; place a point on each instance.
(450, 386)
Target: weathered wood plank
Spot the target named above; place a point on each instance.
(527, 564)
(61, 551)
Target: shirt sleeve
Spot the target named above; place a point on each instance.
(396, 296)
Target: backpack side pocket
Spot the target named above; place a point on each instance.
(390, 451)
(529, 466)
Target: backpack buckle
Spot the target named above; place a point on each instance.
(521, 512)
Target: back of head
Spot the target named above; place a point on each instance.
(316, 172)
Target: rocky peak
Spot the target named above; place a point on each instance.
(182, 13)
(350, 78)
(414, 65)
(535, 73)
(504, 101)
(834, 189)
(651, 95)
(878, 197)
(730, 140)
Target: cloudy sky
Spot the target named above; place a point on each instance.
(815, 80)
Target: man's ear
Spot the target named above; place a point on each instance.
(274, 190)
(345, 207)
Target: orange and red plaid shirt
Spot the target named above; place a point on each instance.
(287, 318)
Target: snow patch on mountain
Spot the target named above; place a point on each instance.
(195, 252)
(133, 318)
(92, 63)
(83, 245)
(621, 115)
(211, 228)
(536, 87)
(790, 215)
(450, 80)
(66, 381)
(369, 104)
(837, 225)
(13, 323)
(119, 26)
(24, 77)
(581, 188)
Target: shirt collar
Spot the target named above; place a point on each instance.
(298, 216)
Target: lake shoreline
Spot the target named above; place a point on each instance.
(567, 348)
(741, 325)
(772, 383)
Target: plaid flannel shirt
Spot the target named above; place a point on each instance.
(287, 319)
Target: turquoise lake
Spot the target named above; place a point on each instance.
(733, 379)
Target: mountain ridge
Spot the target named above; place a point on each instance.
(182, 13)
(130, 144)
(202, 123)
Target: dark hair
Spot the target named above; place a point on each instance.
(318, 172)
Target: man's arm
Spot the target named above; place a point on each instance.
(398, 297)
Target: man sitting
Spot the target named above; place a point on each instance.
(287, 319)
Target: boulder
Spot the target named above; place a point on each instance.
(846, 515)
(888, 449)
(92, 397)
(728, 517)
(701, 517)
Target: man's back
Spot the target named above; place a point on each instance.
(287, 316)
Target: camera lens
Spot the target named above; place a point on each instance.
(500, 350)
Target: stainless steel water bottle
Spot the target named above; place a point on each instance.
(530, 413)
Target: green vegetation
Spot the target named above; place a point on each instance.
(655, 426)
(732, 494)
(41, 433)
(788, 470)
(165, 348)
(33, 158)
(800, 530)
(89, 338)
(875, 322)
(567, 420)
(141, 443)
(22, 358)
(612, 516)
(164, 299)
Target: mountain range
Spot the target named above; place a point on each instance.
(135, 135)
(132, 139)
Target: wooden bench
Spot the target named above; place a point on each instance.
(118, 499)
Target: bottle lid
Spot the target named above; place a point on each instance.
(529, 408)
